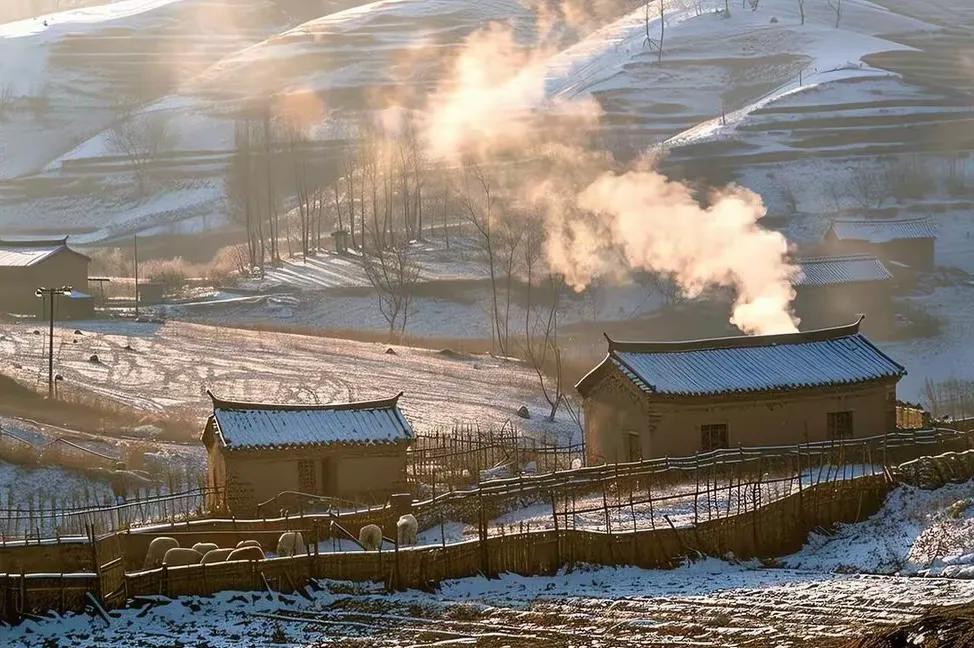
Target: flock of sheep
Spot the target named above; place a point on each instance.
(165, 551)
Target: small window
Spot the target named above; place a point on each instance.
(634, 448)
(840, 425)
(306, 477)
(713, 437)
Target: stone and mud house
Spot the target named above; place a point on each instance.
(350, 451)
(908, 241)
(26, 265)
(656, 399)
(838, 289)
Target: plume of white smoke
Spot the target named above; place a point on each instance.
(487, 104)
(640, 220)
(600, 222)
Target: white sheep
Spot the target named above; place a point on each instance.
(407, 528)
(157, 551)
(216, 555)
(248, 543)
(205, 547)
(291, 543)
(370, 537)
(177, 557)
(246, 553)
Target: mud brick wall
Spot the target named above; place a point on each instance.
(51, 556)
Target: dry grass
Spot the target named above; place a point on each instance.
(949, 628)
(85, 411)
(173, 273)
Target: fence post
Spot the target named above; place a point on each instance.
(482, 533)
(696, 489)
(554, 516)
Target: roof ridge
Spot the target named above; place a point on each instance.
(34, 242)
(881, 220)
(222, 403)
(736, 342)
(838, 257)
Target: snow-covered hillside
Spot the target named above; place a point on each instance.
(190, 62)
(168, 368)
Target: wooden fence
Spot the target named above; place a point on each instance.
(757, 520)
(700, 484)
(27, 523)
(464, 457)
(457, 503)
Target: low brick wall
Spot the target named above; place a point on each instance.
(65, 554)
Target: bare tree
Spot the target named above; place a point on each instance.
(662, 30)
(306, 196)
(6, 99)
(510, 234)
(479, 202)
(836, 7)
(869, 187)
(140, 138)
(393, 273)
(268, 138)
(241, 190)
(543, 349)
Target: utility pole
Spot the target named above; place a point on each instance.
(51, 293)
(136, 276)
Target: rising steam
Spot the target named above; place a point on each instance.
(603, 222)
(639, 220)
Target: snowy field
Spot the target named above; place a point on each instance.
(168, 367)
(460, 261)
(706, 603)
(443, 311)
(45, 486)
(917, 532)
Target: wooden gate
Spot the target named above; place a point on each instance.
(108, 560)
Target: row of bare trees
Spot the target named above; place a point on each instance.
(285, 186)
(377, 186)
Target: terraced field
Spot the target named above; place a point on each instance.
(706, 604)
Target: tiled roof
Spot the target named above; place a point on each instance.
(265, 426)
(27, 253)
(882, 231)
(838, 356)
(829, 271)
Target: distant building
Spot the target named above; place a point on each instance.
(352, 451)
(655, 399)
(838, 289)
(907, 241)
(28, 265)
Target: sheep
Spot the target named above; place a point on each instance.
(216, 555)
(407, 528)
(205, 547)
(248, 543)
(249, 552)
(291, 543)
(177, 557)
(157, 551)
(370, 537)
